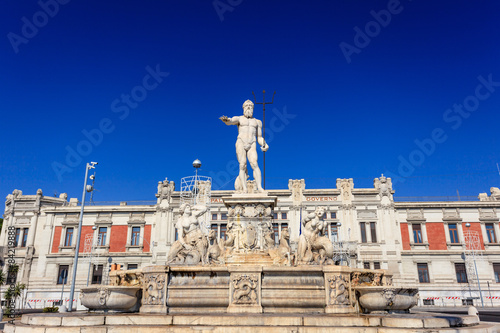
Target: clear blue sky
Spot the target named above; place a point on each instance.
(353, 93)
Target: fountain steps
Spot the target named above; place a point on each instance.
(242, 323)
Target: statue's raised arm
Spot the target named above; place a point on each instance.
(199, 210)
(229, 121)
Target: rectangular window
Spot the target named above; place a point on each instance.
(417, 233)
(136, 234)
(490, 231)
(362, 226)
(223, 216)
(214, 217)
(333, 215)
(223, 231)
(461, 273)
(102, 236)
(283, 216)
(276, 233)
(373, 231)
(25, 237)
(423, 273)
(275, 216)
(452, 227)
(97, 274)
(366, 265)
(333, 232)
(176, 234)
(62, 276)
(18, 234)
(132, 266)
(376, 265)
(496, 269)
(69, 237)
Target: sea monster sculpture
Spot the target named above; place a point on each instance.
(313, 248)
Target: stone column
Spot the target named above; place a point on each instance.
(338, 295)
(32, 229)
(154, 289)
(245, 292)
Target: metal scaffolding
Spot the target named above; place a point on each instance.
(89, 251)
(196, 190)
(472, 254)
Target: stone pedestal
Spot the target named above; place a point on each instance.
(198, 289)
(250, 223)
(245, 291)
(154, 289)
(339, 297)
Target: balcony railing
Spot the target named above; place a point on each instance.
(121, 203)
(436, 198)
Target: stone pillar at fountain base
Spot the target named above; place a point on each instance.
(154, 289)
(338, 291)
(245, 291)
(249, 228)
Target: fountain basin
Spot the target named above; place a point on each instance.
(111, 298)
(387, 298)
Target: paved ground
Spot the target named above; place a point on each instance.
(491, 314)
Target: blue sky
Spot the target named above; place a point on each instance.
(410, 89)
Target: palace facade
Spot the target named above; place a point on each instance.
(448, 249)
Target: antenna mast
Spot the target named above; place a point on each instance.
(263, 129)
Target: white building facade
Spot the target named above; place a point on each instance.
(424, 244)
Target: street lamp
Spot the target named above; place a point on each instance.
(86, 188)
(475, 266)
(196, 166)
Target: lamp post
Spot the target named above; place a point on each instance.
(86, 189)
(196, 165)
(475, 267)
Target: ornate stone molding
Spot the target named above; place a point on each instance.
(137, 218)
(297, 186)
(104, 218)
(154, 290)
(451, 214)
(245, 290)
(384, 187)
(338, 293)
(103, 295)
(413, 215)
(165, 189)
(345, 186)
(487, 214)
(70, 219)
(250, 210)
(154, 286)
(367, 214)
